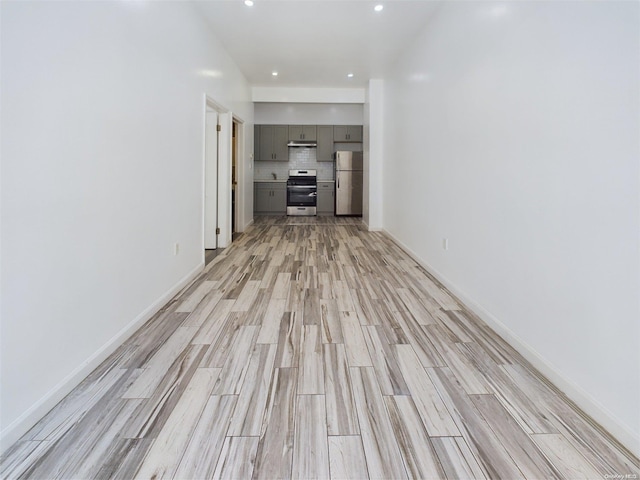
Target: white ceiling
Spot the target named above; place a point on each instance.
(315, 43)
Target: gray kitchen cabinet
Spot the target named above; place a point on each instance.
(302, 132)
(324, 150)
(270, 197)
(347, 133)
(279, 199)
(261, 198)
(273, 141)
(326, 197)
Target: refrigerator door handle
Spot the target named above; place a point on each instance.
(338, 184)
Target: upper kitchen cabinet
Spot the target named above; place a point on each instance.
(324, 150)
(273, 143)
(302, 132)
(347, 133)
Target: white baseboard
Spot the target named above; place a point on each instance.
(574, 392)
(20, 426)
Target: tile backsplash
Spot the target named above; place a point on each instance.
(299, 159)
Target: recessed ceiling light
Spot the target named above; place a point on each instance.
(350, 75)
(378, 8)
(248, 3)
(275, 74)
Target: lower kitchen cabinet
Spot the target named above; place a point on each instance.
(326, 197)
(270, 197)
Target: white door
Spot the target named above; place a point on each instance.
(211, 181)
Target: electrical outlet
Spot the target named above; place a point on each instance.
(176, 248)
(445, 244)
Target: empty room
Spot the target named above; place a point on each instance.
(330, 239)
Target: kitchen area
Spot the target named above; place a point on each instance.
(307, 169)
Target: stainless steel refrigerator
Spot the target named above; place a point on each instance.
(348, 183)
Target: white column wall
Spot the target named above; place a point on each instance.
(512, 130)
(102, 161)
(374, 155)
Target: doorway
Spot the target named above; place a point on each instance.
(222, 177)
(234, 178)
(211, 169)
(237, 180)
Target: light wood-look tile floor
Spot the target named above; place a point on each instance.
(312, 348)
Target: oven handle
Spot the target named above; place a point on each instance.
(307, 187)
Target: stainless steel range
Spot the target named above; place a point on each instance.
(302, 192)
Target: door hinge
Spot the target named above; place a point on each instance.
(218, 231)
(218, 128)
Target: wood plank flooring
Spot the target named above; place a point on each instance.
(311, 348)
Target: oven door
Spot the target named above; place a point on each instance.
(301, 195)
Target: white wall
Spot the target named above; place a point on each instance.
(512, 129)
(373, 153)
(102, 154)
(308, 114)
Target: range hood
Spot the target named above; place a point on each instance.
(302, 143)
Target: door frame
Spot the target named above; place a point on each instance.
(224, 165)
(222, 203)
(210, 179)
(240, 172)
